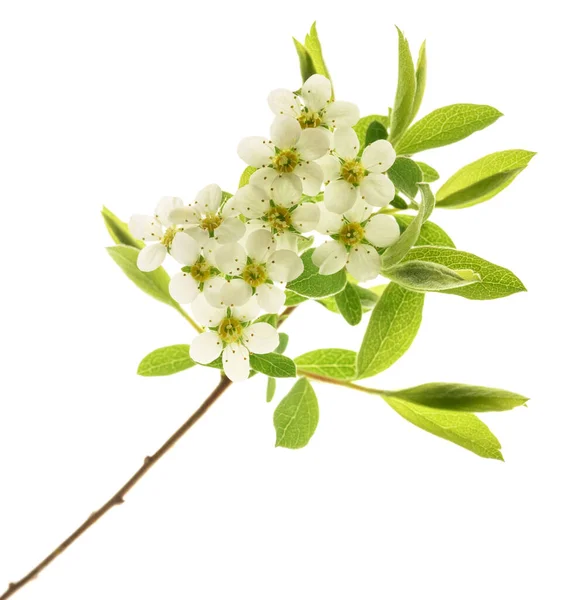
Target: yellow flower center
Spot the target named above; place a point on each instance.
(309, 119)
(230, 330)
(169, 236)
(279, 218)
(353, 171)
(351, 234)
(254, 274)
(211, 222)
(201, 271)
(285, 161)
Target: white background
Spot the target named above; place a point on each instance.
(123, 102)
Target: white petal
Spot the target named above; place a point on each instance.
(235, 359)
(359, 212)
(305, 217)
(252, 201)
(247, 311)
(377, 190)
(263, 177)
(259, 244)
(151, 257)
(231, 258)
(284, 265)
(329, 222)
(330, 166)
(261, 338)
(146, 228)
(204, 313)
(311, 177)
(271, 299)
(286, 191)
(341, 114)
(236, 293)
(164, 208)
(330, 257)
(209, 249)
(230, 209)
(284, 102)
(345, 142)
(208, 199)
(313, 143)
(340, 196)
(382, 230)
(316, 92)
(231, 230)
(206, 347)
(183, 288)
(285, 132)
(255, 151)
(199, 235)
(213, 292)
(184, 249)
(364, 262)
(286, 240)
(184, 215)
(379, 156)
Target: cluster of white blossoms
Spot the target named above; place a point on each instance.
(238, 253)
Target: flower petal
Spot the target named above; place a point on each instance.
(270, 298)
(146, 228)
(235, 360)
(359, 212)
(208, 199)
(329, 222)
(261, 338)
(342, 114)
(330, 166)
(285, 132)
(199, 235)
(284, 102)
(231, 230)
(231, 258)
(204, 313)
(252, 201)
(164, 208)
(305, 217)
(284, 265)
(330, 257)
(377, 189)
(316, 92)
(286, 191)
(311, 176)
(340, 196)
(184, 215)
(247, 311)
(235, 293)
(151, 257)
(212, 291)
(183, 288)
(206, 347)
(255, 151)
(184, 249)
(263, 178)
(363, 262)
(313, 143)
(346, 142)
(379, 156)
(382, 230)
(259, 244)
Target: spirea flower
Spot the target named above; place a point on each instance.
(349, 177)
(314, 107)
(231, 335)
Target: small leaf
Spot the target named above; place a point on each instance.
(307, 68)
(375, 131)
(283, 343)
(496, 282)
(391, 330)
(421, 74)
(363, 125)
(429, 173)
(405, 90)
(483, 179)
(118, 230)
(271, 388)
(246, 176)
(463, 429)
(273, 364)
(349, 304)
(445, 126)
(399, 202)
(314, 285)
(296, 417)
(166, 361)
(294, 299)
(430, 233)
(314, 48)
(270, 318)
(395, 253)
(406, 175)
(423, 276)
(329, 362)
(460, 397)
(367, 296)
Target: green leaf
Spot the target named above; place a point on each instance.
(392, 328)
(496, 282)
(314, 285)
(283, 343)
(329, 362)
(421, 74)
(463, 429)
(483, 179)
(362, 127)
(314, 48)
(445, 126)
(307, 68)
(118, 230)
(349, 304)
(423, 276)
(375, 131)
(405, 90)
(395, 253)
(460, 397)
(246, 176)
(294, 299)
(399, 202)
(430, 233)
(271, 388)
(155, 283)
(296, 417)
(406, 175)
(273, 364)
(166, 361)
(270, 318)
(304, 242)
(429, 173)
(367, 296)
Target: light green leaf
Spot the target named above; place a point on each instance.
(349, 304)
(246, 176)
(445, 126)
(423, 276)
(483, 179)
(314, 285)
(363, 125)
(367, 296)
(406, 175)
(430, 233)
(463, 429)
(307, 68)
(270, 318)
(166, 361)
(314, 48)
(271, 388)
(392, 328)
(329, 362)
(395, 253)
(155, 283)
(304, 242)
(283, 343)
(296, 417)
(399, 202)
(429, 173)
(273, 364)
(421, 74)
(294, 299)
(405, 91)
(460, 397)
(496, 282)
(118, 230)
(375, 131)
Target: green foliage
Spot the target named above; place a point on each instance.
(271, 388)
(496, 282)
(405, 90)
(166, 361)
(375, 131)
(294, 299)
(246, 176)
(314, 48)
(430, 174)
(391, 330)
(270, 318)
(483, 179)
(329, 362)
(349, 304)
(283, 343)
(421, 74)
(313, 285)
(296, 416)
(307, 68)
(273, 364)
(363, 125)
(367, 296)
(406, 175)
(430, 233)
(119, 230)
(423, 276)
(445, 126)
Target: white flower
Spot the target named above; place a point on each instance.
(290, 153)
(157, 231)
(356, 235)
(349, 177)
(255, 269)
(314, 108)
(231, 335)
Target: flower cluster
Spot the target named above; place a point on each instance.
(239, 252)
